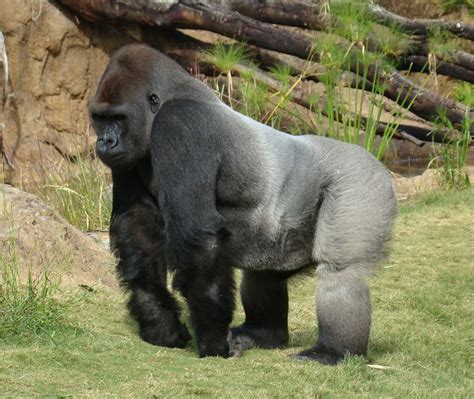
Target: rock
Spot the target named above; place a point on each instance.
(55, 62)
(34, 238)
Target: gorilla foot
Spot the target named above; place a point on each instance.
(242, 338)
(320, 354)
(214, 347)
(176, 336)
(238, 344)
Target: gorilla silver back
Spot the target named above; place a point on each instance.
(200, 189)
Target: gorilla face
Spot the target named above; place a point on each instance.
(122, 113)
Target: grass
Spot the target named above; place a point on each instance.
(442, 44)
(345, 107)
(226, 56)
(29, 303)
(455, 5)
(341, 109)
(451, 158)
(464, 92)
(391, 40)
(80, 192)
(423, 332)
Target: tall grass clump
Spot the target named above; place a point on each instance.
(353, 112)
(80, 192)
(224, 57)
(455, 5)
(442, 44)
(29, 303)
(355, 115)
(464, 92)
(452, 156)
(352, 21)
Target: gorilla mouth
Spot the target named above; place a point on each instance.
(110, 157)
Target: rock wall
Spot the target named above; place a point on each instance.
(55, 61)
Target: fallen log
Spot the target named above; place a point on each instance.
(415, 134)
(206, 15)
(188, 14)
(420, 26)
(301, 13)
(424, 103)
(420, 63)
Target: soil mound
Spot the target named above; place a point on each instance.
(34, 238)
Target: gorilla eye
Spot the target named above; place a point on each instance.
(154, 102)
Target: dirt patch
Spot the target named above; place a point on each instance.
(36, 239)
(430, 180)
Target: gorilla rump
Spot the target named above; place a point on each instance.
(200, 189)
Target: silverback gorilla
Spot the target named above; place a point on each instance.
(199, 189)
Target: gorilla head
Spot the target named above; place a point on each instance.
(134, 85)
(200, 189)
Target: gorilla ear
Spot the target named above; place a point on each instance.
(155, 102)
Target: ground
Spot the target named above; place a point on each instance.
(423, 333)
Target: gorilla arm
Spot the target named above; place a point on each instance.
(133, 231)
(185, 155)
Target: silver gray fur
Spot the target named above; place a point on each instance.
(289, 202)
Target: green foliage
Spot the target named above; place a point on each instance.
(283, 73)
(453, 154)
(225, 56)
(80, 192)
(344, 107)
(253, 99)
(331, 52)
(392, 41)
(464, 92)
(454, 5)
(353, 21)
(355, 116)
(442, 44)
(28, 306)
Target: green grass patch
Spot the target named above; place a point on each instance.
(31, 302)
(423, 333)
(442, 44)
(80, 192)
(464, 92)
(451, 158)
(456, 5)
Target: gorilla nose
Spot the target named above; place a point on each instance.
(106, 142)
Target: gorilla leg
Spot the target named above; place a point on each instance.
(156, 312)
(210, 296)
(135, 240)
(265, 300)
(344, 315)
(352, 230)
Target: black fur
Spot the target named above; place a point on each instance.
(134, 232)
(200, 189)
(265, 300)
